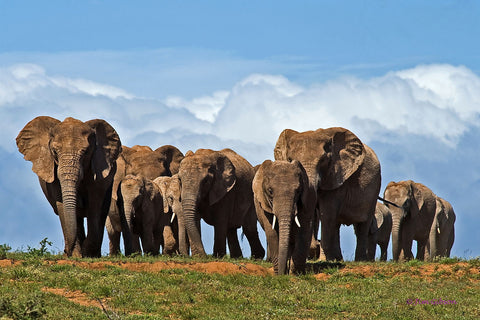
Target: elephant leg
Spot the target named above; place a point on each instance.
(330, 241)
(113, 237)
(371, 246)
(383, 254)
(251, 232)
(421, 254)
(233, 244)
(100, 200)
(169, 242)
(407, 249)
(220, 241)
(361, 231)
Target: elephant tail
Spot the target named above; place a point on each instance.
(388, 202)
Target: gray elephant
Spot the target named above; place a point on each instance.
(142, 206)
(442, 232)
(412, 217)
(171, 189)
(145, 162)
(345, 174)
(217, 187)
(380, 231)
(282, 193)
(75, 164)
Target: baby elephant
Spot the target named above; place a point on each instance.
(285, 206)
(171, 192)
(143, 211)
(380, 231)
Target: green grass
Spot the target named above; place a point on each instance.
(346, 292)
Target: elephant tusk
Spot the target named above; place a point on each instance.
(173, 217)
(438, 230)
(297, 222)
(274, 221)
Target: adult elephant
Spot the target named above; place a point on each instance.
(380, 232)
(140, 161)
(217, 186)
(142, 205)
(346, 176)
(171, 190)
(282, 192)
(412, 217)
(75, 164)
(442, 232)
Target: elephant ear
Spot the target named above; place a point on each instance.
(162, 183)
(304, 183)
(172, 156)
(33, 143)
(257, 186)
(280, 151)
(347, 154)
(107, 149)
(379, 212)
(417, 196)
(224, 179)
(120, 173)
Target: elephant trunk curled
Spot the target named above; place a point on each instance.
(69, 173)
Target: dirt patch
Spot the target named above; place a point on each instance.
(219, 267)
(75, 296)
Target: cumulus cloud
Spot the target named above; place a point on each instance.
(406, 116)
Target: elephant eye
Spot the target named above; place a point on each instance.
(270, 191)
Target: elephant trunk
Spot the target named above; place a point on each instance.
(70, 173)
(129, 232)
(396, 237)
(182, 235)
(434, 241)
(192, 224)
(284, 230)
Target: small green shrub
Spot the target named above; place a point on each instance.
(4, 248)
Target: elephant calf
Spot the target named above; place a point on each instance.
(143, 211)
(282, 193)
(380, 231)
(171, 189)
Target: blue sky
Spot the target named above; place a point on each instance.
(403, 76)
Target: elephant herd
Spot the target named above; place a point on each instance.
(157, 198)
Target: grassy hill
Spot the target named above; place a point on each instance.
(38, 284)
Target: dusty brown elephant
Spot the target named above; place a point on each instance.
(346, 176)
(380, 231)
(145, 162)
(442, 232)
(217, 187)
(171, 190)
(142, 206)
(282, 193)
(75, 164)
(412, 217)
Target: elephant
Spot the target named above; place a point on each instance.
(142, 206)
(171, 191)
(442, 232)
(345, 174)
(412, 217)
(145, 162)
(75, 162)
(282, 193)
(217, 187)
(379, 232)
